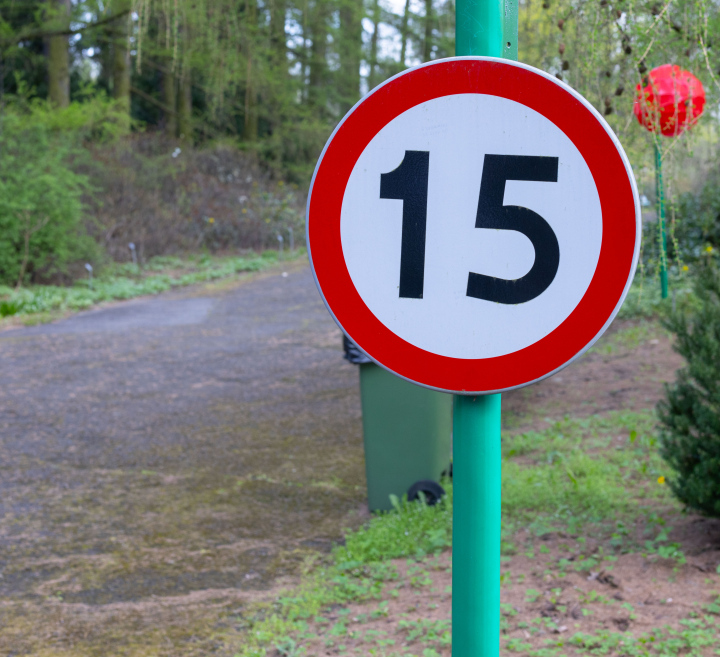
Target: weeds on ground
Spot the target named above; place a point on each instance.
(599, 476)
(582, 470)
(125, 281)
(644, 300)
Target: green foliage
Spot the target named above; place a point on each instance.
(568, 484)
(358, 572)
(696, 224)
(278, 76)
(604, 49)
(127, 281)
(92, 117)
(690, 412)
(694, 636)
(436, 632)
(643, 300)
(9, 308)
(410, 530)
(41, 210)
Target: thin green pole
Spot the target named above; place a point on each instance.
(479, 27)
(482, 27)
(660, 198)
(477, 467)
(510, 30)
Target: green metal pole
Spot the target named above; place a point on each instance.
(482, 27)
(477, 467)
(510, 30)
(479, 27)
(660, 198)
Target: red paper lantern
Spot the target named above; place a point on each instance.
(671, 102)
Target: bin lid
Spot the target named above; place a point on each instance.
(352, 353)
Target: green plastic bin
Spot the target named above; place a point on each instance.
(407, 433)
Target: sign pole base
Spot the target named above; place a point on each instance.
(477, 465)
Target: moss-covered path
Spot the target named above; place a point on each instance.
(199, 443)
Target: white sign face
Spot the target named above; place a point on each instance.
(445, 320)
(473, 225)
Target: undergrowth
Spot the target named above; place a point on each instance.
(602, 472)
(125, 281)
(644, 299)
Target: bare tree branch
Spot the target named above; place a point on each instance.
(41, 34)
(152, 100)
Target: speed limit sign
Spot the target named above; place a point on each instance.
(473, 225)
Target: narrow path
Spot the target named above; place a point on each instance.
(163, 427)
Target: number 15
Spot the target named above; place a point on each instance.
(409, 183)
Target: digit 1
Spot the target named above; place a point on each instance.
(409, 184)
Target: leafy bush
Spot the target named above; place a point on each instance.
(693, 223)
(171, 200)
(41, 209)
(697, 223)
(644, 301)
(690, 412)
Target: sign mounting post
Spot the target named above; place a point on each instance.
(473, 226)
(480, 28)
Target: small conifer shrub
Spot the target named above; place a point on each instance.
(690, 413)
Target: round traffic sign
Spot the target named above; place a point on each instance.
(473, 225)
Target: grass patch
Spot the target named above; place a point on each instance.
(644, 299)
(411, 530)
(629, 337)
(583, 470)
(355, 572)
(39, 303)
(596, 476)
(692, 638)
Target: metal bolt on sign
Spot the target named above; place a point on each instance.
(473, 226)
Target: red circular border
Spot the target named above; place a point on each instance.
(555, 103)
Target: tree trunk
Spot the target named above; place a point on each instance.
(427, 41)
(170, 101)
(28, 232)
(278, 38)
(185, 105)
(277, 78)
(58, 58)
(372, 77)
(168, 72)
(349, 50)
(121, 53)
(404, 35)
(250, 129)
(318, 54)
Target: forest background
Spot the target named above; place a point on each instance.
(193, 125)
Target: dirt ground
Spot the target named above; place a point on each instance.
(166, 460)
(540, 609)
(625, 370)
